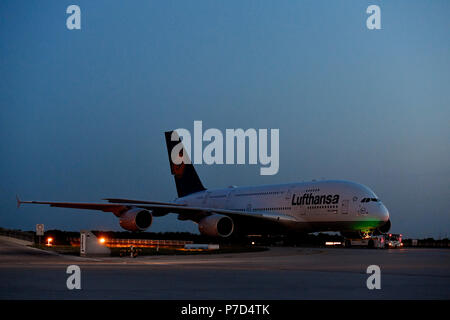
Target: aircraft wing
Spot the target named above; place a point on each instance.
(184, 212)
(117, 209)
(196, 213)
(120, 200)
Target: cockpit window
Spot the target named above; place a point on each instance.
(369, 199)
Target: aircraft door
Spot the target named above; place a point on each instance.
(230, 199)
(288, 194)
(344, 207)
(205, 199)
(302, 210)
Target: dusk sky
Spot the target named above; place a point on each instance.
(83, 112)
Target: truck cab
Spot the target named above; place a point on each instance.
(393, 240)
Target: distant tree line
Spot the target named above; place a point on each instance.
(64, 238)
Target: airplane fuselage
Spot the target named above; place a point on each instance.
(315, 206)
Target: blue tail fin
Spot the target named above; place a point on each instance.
(186, 178)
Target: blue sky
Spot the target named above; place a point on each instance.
(83, 112)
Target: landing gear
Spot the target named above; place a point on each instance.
(366, 234)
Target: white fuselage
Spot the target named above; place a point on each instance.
(316, 206)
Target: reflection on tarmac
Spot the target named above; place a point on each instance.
(280, 273)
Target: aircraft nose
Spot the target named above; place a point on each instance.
(383, 213)
(379, 212)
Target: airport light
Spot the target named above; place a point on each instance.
(333, 243)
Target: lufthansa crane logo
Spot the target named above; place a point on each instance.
(178, 169)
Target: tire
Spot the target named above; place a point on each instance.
(371, 244)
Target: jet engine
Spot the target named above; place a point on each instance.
(136, 219)
(216, 225)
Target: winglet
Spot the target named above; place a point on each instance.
(18, 201)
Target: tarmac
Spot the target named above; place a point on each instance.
(281, 273)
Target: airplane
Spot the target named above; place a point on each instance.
(302, 207)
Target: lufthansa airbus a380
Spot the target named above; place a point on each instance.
(341, 206)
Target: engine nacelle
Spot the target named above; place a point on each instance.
(216, 225)
(136, 219)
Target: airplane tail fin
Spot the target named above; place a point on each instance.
(186, 178)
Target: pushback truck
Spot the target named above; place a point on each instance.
(377, 241)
